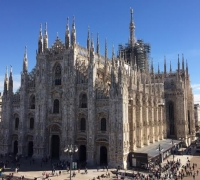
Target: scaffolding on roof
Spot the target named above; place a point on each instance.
(140, 53)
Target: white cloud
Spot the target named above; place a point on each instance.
(196, 87)
(197, 98)
(16, 82)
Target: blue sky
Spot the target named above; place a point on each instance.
(172, 27)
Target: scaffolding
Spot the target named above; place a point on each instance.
(140, 53)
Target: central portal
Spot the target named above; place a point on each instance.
(30, 148)
(103, 155)
(55, 146)
(82, 154)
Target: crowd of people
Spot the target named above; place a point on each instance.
(176, 170)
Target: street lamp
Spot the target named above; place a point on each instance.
(160, 149)
(71, 149)
(173, 149)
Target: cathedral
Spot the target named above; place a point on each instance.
(107, 107)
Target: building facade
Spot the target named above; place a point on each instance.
(107, 107)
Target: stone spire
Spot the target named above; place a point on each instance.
(88, 39)
(113, 67)
(106, 50)
(165, 66)
(132, 29)
(98, 45)
(106, 58)
(10, 80)
(152, 68)
(6, 81)
(40, 41)
(67, 35)
(186, 67)
(170, 67)
(92, 52)
(6, 75)
(92, 42)
(10, 71)
(113, 52)
(73, 39)
(178, 64)
(25, 61)
(158, 69)
(45, 40)
(183, 63)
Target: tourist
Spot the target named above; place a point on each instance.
(85, 170)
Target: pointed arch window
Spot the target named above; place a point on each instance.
(32, 102)
(83, 101)
(56, 106)
(83, 124)
(31, 123)
(58, 75)
(103, 124)
(16, 123)
(171, 118)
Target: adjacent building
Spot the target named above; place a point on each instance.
(197, 116)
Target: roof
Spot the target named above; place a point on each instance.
(152, 149)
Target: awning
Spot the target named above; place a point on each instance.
(152, 149)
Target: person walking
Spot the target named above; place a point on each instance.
(194, 176)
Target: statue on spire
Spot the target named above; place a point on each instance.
(25, 61)
(88, 38)
(45, 37)
(73, 38)
(40, 41)
(98, 45)
(67, 35)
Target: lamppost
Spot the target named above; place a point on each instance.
(181, 139)
(71, 149)
(173, 149)
(160, 149)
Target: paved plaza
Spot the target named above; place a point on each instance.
(34, 170)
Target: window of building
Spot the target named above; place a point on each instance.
(103, 124)
(56, 106)
(83, 124)
(58, 75)
(32, 102)
(31, 123)
(83, 101)
(16, 123)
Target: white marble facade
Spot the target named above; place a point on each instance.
(107, 107)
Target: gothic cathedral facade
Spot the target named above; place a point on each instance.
(107, 107)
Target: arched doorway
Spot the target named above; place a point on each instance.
(103, 155)
(55, 146)
(82, 154)
(15, 147)
(30, 148)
